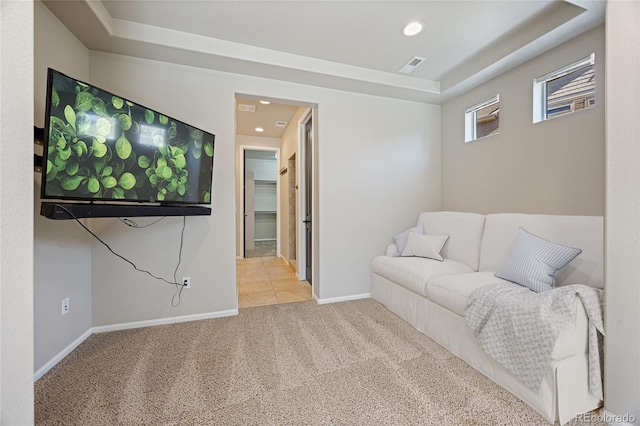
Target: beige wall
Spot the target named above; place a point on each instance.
(551, 167)
(16, 213)
(62, 249)
(622, 220)
(374, 155)
(379, 166)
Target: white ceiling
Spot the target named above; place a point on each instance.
(346, 45)
(264, 116)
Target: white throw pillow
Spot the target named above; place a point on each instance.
(401, 238)
(535, 262)
(428, 246)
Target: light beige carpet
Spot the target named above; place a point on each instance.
(350, 363)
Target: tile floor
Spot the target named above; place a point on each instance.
(262, 248)
(268, 281)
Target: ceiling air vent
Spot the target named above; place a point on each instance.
(411, 65)
(246, 108)
(281, 124)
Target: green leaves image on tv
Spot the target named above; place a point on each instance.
(104, 147)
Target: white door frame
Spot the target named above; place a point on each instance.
(301, 207)
(244, 148)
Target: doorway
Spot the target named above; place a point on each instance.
(265, 277)
(260, 203)
(307, 149)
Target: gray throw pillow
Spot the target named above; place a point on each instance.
(401, 238)
(535, 262)
(427, 246)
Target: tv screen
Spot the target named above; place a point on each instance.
(100, 146)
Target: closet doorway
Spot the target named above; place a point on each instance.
(260, 203)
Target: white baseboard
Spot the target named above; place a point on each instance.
(342, 299)
(164, 321)
(125, 326)
(63, 353)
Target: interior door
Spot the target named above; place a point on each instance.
(293, 214)
(308, 219)
(249, 211)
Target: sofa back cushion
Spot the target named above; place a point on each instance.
(465, 234)
(583, 232)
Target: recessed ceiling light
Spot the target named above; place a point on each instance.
(259, 129)
(412, 28)
(265, 102)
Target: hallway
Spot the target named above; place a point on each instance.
(268, 281)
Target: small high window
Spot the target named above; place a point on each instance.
(568, 89)
(482, 119)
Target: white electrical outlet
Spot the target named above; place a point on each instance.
(65, 306)
(186, 282)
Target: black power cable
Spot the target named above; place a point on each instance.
(132, 224)
(179, 286)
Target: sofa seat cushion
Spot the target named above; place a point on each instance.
(453, 291)
(414, 272)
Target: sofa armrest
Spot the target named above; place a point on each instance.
(574, 339)
(391, 250)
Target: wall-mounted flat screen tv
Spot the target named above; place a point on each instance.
(100, 146)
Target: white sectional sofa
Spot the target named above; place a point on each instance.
(432, 296)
